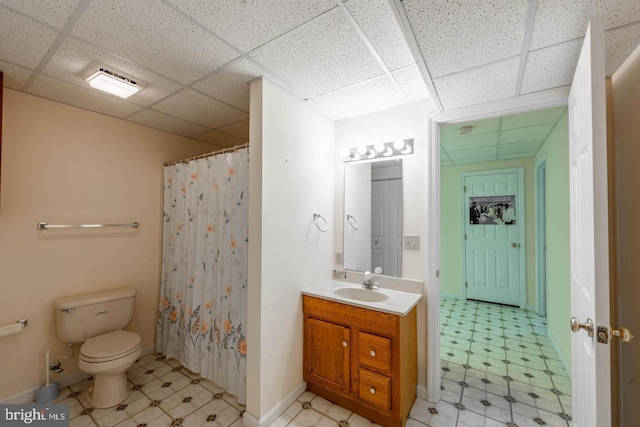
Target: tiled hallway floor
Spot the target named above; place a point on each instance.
(498, 369)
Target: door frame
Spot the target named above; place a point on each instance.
(541, 236)
(521, 104)
(520, 223)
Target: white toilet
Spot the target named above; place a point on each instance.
(97, 320)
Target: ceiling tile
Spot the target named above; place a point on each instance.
(66, 93)
(454, 35)
(465, 143)
(248, 24)
(411, 83)
(158, 120)
(561, 58)
(479, 127)
(530, 133)
(520, 147)
(14, 76)
(238, 129)
(76, 60)
(619, 43)
(377, 21)
(154, 35)
(322, 56)
(23, 41)
(220, 139)
(517, 155)
(560, 21)
(475, 160)
(198, 108)
(473, 153)
(363, 98)
(620, 12)
(54, 13)
(231, 84)
(478, 85)
(532, 118)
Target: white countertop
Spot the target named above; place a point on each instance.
(397, 302)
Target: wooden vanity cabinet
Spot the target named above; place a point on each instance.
(363, 360)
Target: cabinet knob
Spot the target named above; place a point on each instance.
(372, 390)
(372, 353)
(344, 343)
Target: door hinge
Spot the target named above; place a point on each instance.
(466, 285)
(465, 236)
(465, 188)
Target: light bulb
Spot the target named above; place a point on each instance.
(379, 147)
(346, 153)
(388, 152)
(362, 150)
(398, 144)
(406, 150)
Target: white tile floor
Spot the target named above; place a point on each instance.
(498, 369)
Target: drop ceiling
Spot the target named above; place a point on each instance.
(195, 58)
(501, 138)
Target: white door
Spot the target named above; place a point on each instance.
(590, 361)
(493, 247)
(386, 226)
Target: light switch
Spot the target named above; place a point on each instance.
(411, 242)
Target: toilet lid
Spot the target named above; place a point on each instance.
(111, 345)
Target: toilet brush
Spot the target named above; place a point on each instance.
(48, 392)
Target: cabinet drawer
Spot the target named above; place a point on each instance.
(375, 389)
(374, 352)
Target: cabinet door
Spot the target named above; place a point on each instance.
(326, 358)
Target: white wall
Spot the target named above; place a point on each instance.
(292, 157)
(408, 121)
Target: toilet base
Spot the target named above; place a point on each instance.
(108, 390)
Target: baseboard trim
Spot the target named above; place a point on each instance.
(421, 392)
(268, 419)
(30, 394)
(450, 295)
(555, 346)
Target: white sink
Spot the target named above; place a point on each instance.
(360, 294)
(385, 299)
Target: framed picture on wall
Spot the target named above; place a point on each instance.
(492, 210)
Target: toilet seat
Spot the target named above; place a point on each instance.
(111, 346)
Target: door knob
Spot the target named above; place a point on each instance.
(515, 245)
(623, 333)
(344, 343)
(587, 326)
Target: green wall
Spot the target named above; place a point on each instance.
(451, 220)
(555, 152)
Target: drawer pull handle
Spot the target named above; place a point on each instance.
(372, 390)
(373, 353)
(344, 343)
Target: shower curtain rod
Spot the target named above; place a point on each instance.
(202, 156)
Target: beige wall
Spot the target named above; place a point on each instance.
(626, 139)
(61, 164)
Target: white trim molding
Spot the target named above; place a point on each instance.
(521, 104)
(251, 421)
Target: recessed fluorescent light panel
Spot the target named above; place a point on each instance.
(398, 147)
(113, 83)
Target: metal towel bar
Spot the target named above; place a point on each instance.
(45, 226)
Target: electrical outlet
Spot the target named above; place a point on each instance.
(339, 274)
(339, 258)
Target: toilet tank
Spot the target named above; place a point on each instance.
(84, 316)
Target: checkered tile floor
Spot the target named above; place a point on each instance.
(498, 369)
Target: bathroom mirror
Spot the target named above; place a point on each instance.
(373, 217)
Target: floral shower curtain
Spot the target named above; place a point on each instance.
(202, 313)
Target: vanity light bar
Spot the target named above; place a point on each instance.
(399, 147)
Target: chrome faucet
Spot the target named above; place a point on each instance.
(368, 282)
